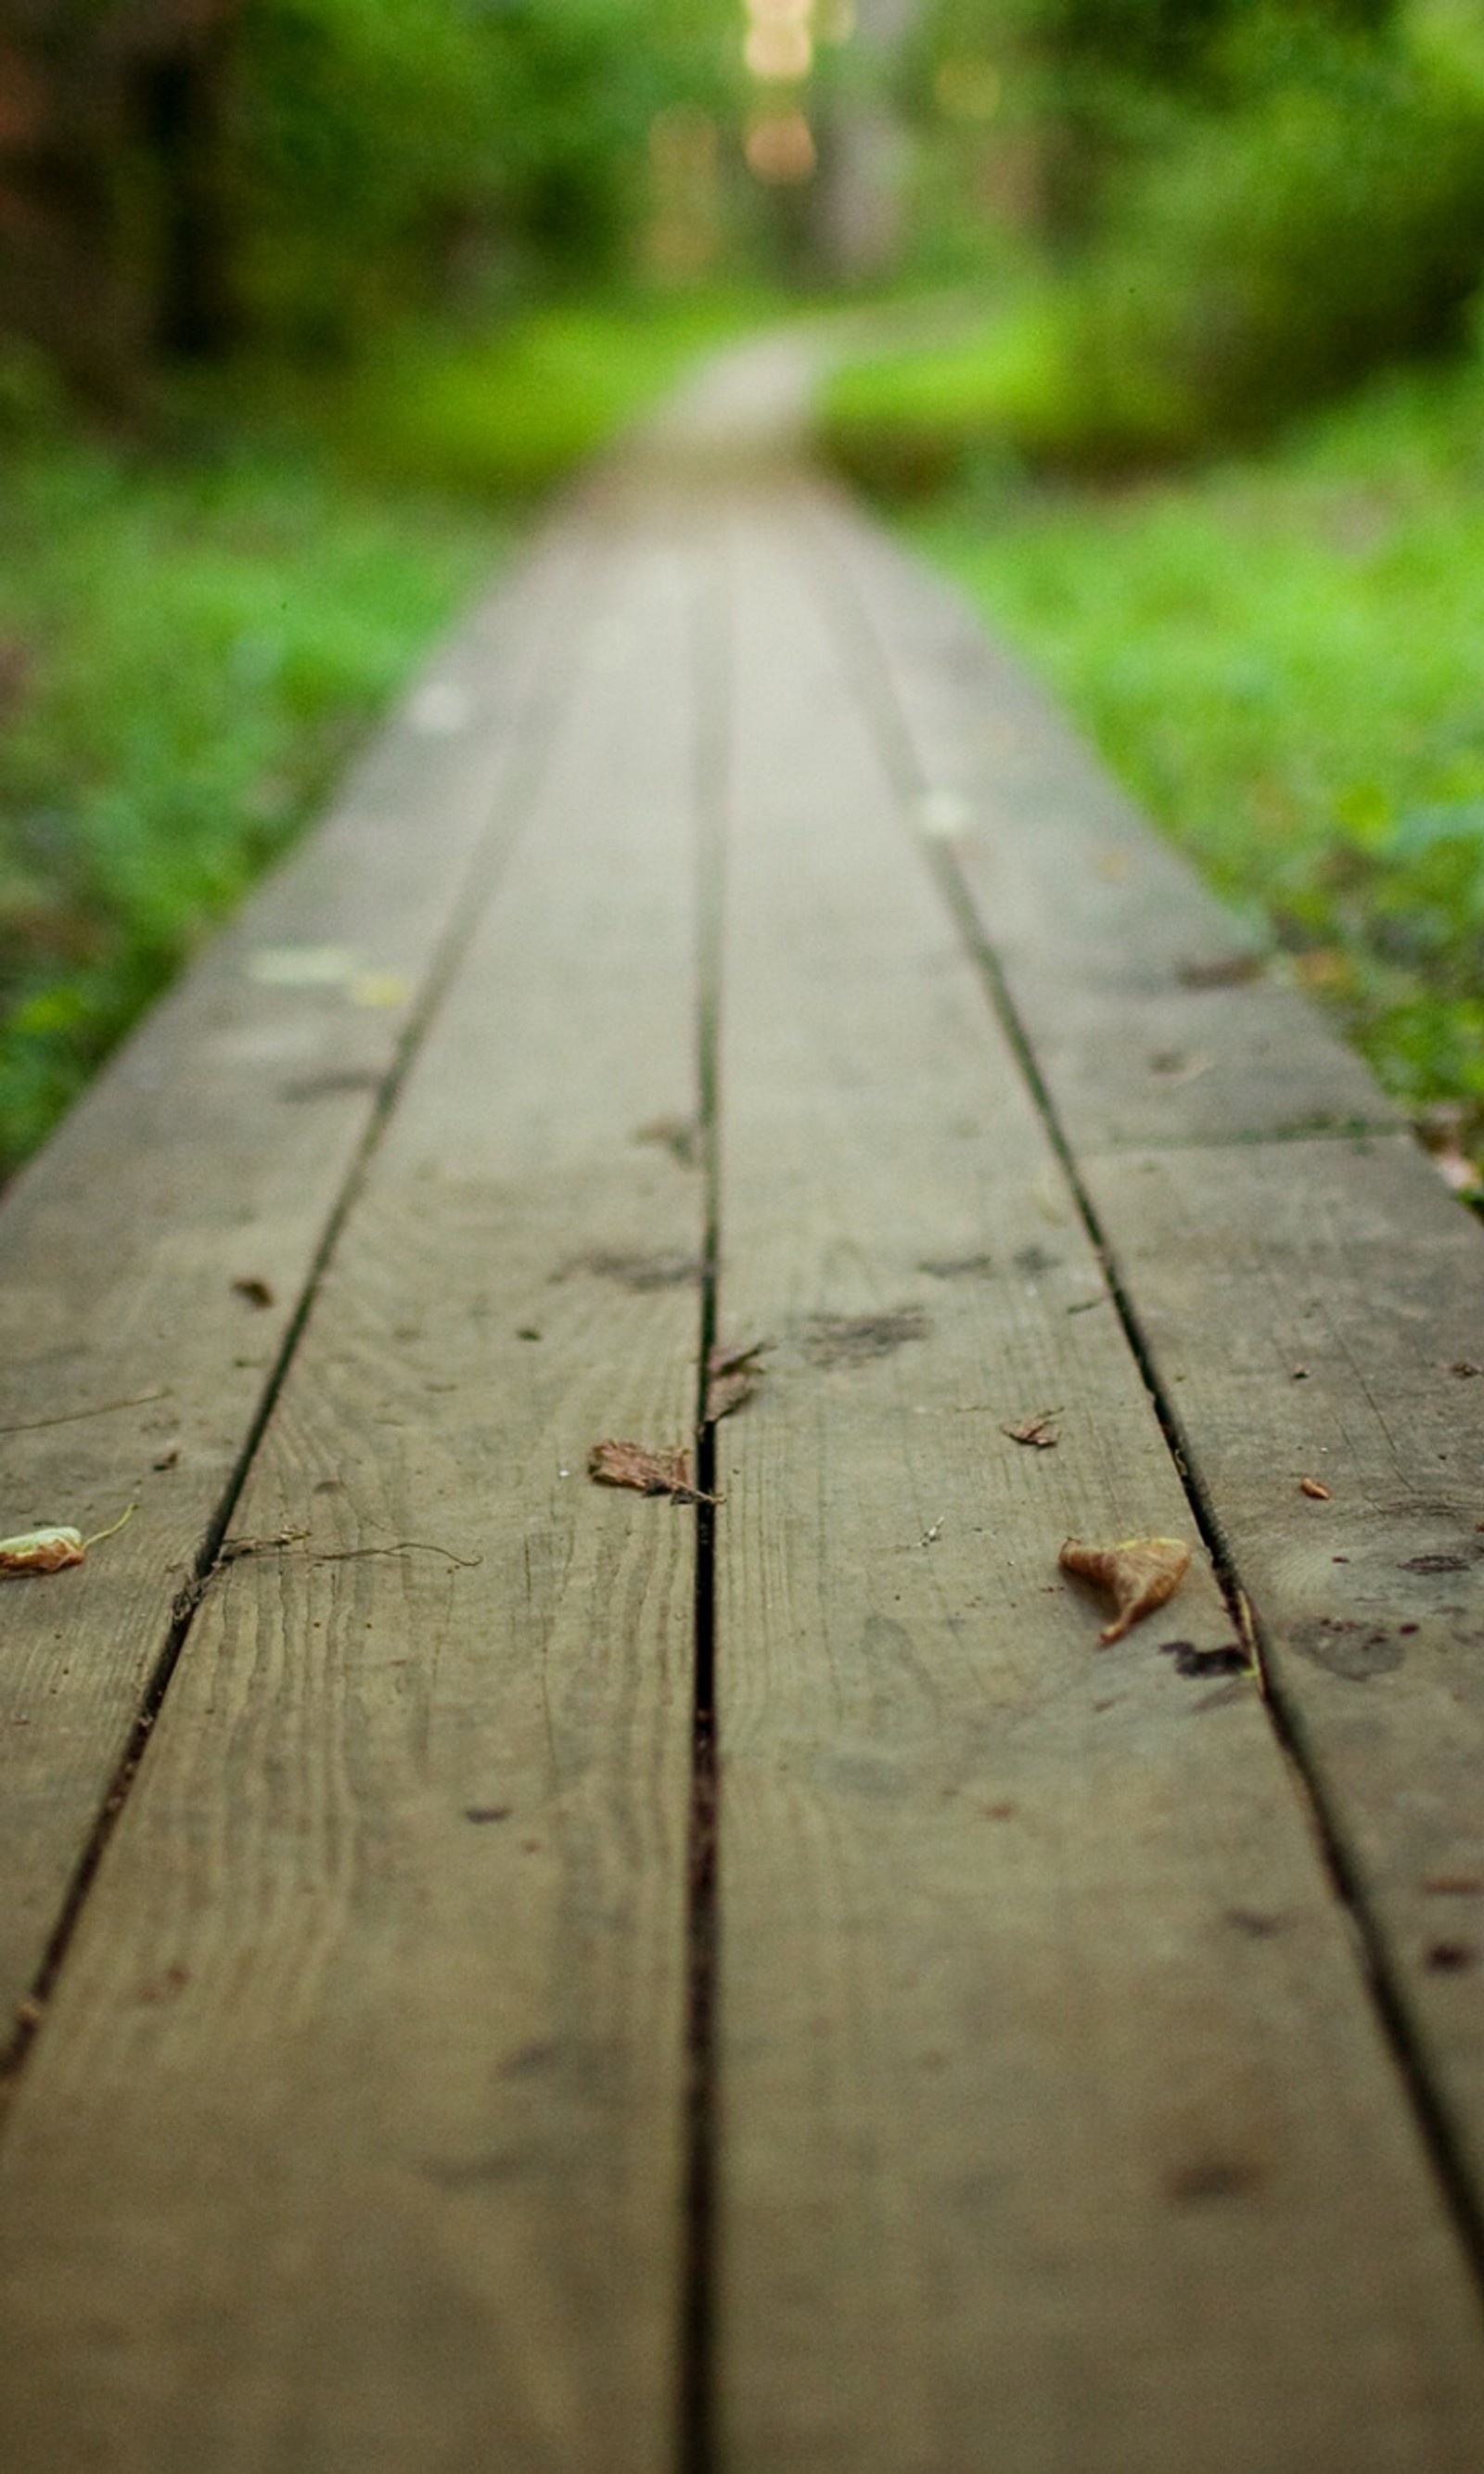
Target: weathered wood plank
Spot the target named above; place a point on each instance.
(1313, 1311)
(1045, 2059)
(215, 1150)
(1304, 1306)
(353, 2136)
(1112, 948)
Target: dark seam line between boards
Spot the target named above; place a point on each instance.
(696, 2403)
(512, 801)
(899, 753)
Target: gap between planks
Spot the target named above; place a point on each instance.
(903, 745)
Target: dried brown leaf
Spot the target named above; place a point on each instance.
(1139, 1574)
(52, 1549)
(42, 1550)
(1315, 1489)
(1040, 1431)
(681, 1136)
(725, 1392)
(1222, 971)
(731, 1378)
(645, 1473)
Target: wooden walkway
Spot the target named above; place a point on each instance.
(514, 1975)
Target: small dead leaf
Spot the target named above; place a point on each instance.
(1176, 1067)
(1458, 1171)
(1138, 1573)
(376, 990)
(254, 1293)
(681, 1136)
(1465, 1367)
(41, 1551)
(645, 1473)
(1324, 969)
(1316, 1489)
(52, 1550)
(1224, 971)
(731, 1376)
(726, 1393)
(1040, 1431)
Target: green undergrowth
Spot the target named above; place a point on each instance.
(1284, 658)
(196, 631)
(187, 654)
(507, 415)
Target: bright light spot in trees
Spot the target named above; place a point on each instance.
(778, 51)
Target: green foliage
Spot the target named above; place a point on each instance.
(509, 414)
(1282, 659)
(1251, 262)
(1285, 249)
(390, 150)
(189, 656)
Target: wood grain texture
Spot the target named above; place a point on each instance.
(1312, 1311)
(1045, 2059)
(353, 2136)
(215, 1150)
(1305, 1305)
(1107, 943)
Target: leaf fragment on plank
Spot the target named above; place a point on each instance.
(1041, 1432)
(53, 1549)
(731, 1376)
(645, 1473)
(42, 1550)
(1139, 1574)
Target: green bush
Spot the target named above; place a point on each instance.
(1281, 253)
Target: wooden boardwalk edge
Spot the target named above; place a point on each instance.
(1306, 1296)
(155, 1260)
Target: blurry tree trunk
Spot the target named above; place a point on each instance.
(856, 202)
(112, 234)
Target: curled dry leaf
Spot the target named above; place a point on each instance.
(731, 1377)
(1315, 1489)
(1139, 1574)
(52, 1550)
(646, 1472)
(1040, 1432)
(42, 1550)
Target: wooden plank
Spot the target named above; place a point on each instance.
(1311, 1313)
(1045, 2059)
(215, 1152)
(1343, 1259)
(1113, 951)
(354, 2136)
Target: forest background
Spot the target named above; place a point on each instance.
(1162, 335)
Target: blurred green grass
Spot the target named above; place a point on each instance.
(506, 416)
(1282, 655)
(196, 630)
